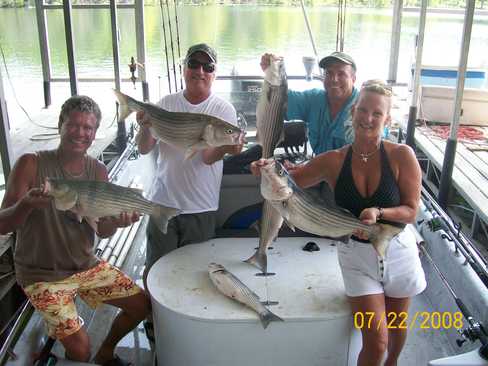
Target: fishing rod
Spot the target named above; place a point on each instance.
(307, 23)
(178, 44)
(441, 220)
(171, 43)
(475, 330)
(165, 44)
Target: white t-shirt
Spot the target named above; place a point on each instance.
(190, 185)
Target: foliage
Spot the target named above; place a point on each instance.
(480, 4)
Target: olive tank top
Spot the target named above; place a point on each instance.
(52, 244)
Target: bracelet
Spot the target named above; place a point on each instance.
(381, 211)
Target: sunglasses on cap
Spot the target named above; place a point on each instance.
(193, 64)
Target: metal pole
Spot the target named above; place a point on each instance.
(5, 144)
(307, 23)
(44, 48)
(141, 48)
(450, 153)
(412, 114)
(396, 28)
(70, 47)
(115, 42)
(121, 139)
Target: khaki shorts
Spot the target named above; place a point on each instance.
(55, 300)
(182, 230)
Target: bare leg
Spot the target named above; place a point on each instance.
(134, 309)
(398, 309)
(77, 346)
(374, 332)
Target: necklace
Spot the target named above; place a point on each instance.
(66, 173)
(365, 156)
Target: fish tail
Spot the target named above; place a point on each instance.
(381, 239)
(259, 260)
(162, 214)
(268, 317)
(124, 109)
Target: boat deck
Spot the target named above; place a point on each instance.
(470, 173)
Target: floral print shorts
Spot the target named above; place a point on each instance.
(55, 300)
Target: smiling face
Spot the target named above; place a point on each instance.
(370, 114)
(78, 132)
(339, 80)
(198, 81)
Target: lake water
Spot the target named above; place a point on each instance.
(240, 33)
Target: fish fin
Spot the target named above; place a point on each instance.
(267, 317)
(255, 225)
(124, 110)
(67, 201)
(193, 149)
(137, 190)
(93, 222)
(344, 239)
(162, 214)
(290, 225)
(259, 260)
(382, 237)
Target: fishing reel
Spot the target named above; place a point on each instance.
(475, 331)
(133, 68)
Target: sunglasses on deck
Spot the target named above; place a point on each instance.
(208, 67)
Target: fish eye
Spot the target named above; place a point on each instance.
(228, 131)
(281, 172)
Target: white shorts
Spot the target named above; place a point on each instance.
(399, 275)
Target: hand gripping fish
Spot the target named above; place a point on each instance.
(270, 115)
(232, 287)
(94, 199)
(313, 215)
(188, 131)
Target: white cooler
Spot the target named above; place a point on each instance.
(196, 325)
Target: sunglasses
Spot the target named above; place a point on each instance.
(377, 86)
(193, 64)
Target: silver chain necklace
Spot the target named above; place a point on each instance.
(365, 157)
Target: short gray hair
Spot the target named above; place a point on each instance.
(79, 103)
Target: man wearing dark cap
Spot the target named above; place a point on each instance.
(326, 112)
(192, 185)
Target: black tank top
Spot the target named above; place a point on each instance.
(347, 196)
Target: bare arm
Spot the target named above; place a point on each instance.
(213, 154)
(21, 196)
(107, 226)
(144, 139)
(321, 168)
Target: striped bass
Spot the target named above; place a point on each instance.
(189, 131)
(94, 199)
(232, 287)
(270, 115)
(271, 107)
(313, 215)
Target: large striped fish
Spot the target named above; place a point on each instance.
(94, 199)
(270, 115)
(189, 131)
(232, 287)
(271, 107)
(313, 215)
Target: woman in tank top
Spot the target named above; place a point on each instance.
(377, 181)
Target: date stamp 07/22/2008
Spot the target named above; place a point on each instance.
(404, 320)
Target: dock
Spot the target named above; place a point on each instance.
(469, 193)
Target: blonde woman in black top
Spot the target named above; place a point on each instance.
(377, 181)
